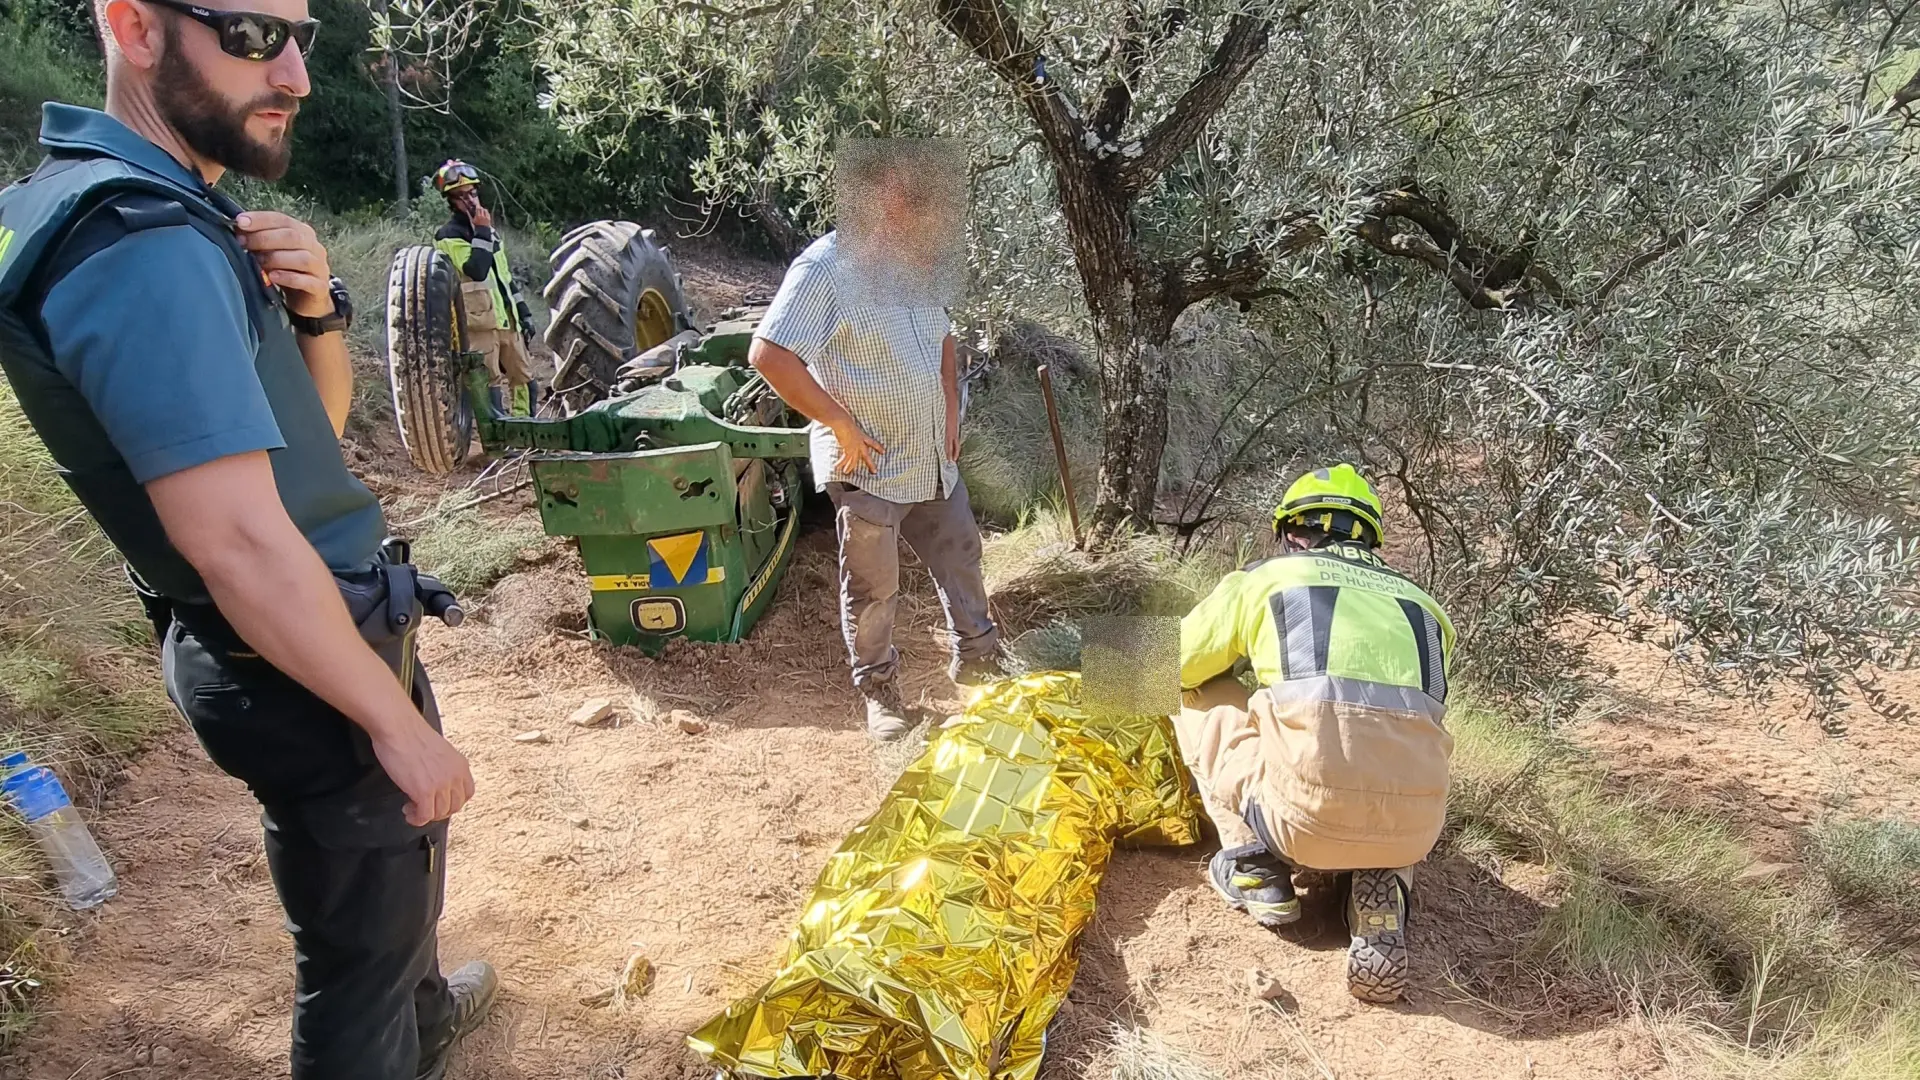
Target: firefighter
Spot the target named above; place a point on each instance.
(1338, 762)
(499, 324)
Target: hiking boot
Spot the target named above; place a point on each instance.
(472, 987)
(1255, 882)
(978, 671)
(887, 717)
(1377, 919)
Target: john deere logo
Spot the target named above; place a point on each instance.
(6, 241)
(659, 615)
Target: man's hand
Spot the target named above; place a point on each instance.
(422, 763)
(953, 433)
(789, 377)
(289, 251)
(226, 518)
(481, 217)
(859, 451)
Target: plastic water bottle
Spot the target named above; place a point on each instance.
(82, 871)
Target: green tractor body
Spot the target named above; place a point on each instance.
(684, 493)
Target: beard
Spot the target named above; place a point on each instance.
(213, 126)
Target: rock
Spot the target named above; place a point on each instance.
(592, 713)
(687, 722)
(142, 1055)
(531, 737)
(1764, 871)
(162, 1055)
(636, 979)
(1264, 986)
(578, 821)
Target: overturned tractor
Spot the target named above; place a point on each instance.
(673, 465)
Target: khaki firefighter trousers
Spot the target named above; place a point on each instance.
(503, 350)
(1334, 788)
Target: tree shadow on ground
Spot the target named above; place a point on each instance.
(1164, 945)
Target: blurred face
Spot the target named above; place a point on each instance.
(915, 225)
(230, 110)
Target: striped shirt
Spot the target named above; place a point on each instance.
(882, 363)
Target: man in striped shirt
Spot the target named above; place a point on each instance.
(855, 340)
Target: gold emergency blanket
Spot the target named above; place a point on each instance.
(943, 934)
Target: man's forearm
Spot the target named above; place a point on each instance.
(789, 377)
(282, 601)
(950, 376)
(332, 370)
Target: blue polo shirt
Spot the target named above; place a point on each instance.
(155, 333)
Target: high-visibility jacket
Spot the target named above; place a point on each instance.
(479, 253)
(1350, 768)
(1337, 613)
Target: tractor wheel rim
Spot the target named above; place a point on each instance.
(652, 320)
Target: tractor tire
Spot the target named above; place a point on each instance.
(425, 361)
(614, 294)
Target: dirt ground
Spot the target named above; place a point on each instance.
(698, 849)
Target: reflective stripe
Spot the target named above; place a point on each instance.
(1304, 615)
(1426, 638)
(483, 245)
(1346, 691)
(1437, 682)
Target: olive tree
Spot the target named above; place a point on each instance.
(1619, 294)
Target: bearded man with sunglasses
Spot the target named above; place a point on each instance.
(185, 362)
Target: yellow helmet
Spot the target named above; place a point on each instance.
(1337, 501)
(455, 175)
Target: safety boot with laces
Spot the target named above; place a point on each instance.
(1377, 907)
(1254, 881)
(887, 717)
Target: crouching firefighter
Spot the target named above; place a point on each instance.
(499, 325)
(1339, 761)
(185, 363)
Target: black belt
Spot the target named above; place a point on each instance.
(386, 601)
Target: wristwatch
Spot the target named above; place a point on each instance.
(340, 320)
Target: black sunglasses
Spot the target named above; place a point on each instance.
(249, 35)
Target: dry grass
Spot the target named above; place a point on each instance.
(1871, 861)
(1039, 578)
(469, 551)
(79, 682)
(1744, 978)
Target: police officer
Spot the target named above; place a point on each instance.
(1339, 761)
(499, 323)
(184, 360)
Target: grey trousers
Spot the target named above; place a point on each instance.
(943, 534)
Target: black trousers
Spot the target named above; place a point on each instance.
(361, 887)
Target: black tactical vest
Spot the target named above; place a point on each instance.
(77, 204)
